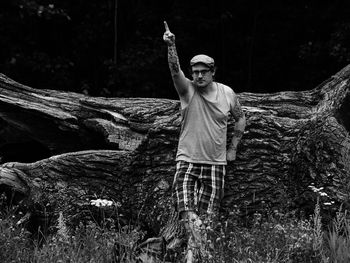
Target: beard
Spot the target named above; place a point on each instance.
(201, 83)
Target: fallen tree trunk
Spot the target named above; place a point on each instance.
(123, 149)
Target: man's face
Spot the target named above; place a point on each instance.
(202, 75)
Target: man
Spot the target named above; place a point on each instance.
(202, 155)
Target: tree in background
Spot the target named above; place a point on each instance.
(259, 46)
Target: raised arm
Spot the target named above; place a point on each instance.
(240, 123)
(181, 83)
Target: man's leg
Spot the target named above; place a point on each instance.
(210, 193)
(210, 188)
(194, 229)
(185, 186)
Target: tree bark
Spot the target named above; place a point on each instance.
(124, 148)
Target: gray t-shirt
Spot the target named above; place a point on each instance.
(204, 129)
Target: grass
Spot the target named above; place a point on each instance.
(15, 242)
(275, 237)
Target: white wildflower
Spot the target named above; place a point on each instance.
(315, 189)
(329, 203)
(101, 202)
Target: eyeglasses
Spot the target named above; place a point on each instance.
(202, 72)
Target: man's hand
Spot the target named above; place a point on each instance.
(231, 154)
(168, 37)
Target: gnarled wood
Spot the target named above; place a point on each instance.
(124, 148)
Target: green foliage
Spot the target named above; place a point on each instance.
(280, 238)
(337, 241)
(277, 237)
(15, 242)
(105, 240)
(318, 232)
(89, 243)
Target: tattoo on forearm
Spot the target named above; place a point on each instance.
(173, 59)
(237, 133)
(237, 111)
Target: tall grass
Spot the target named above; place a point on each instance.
(100, 240)
(15, 242)
(336, 241)
(275, 237)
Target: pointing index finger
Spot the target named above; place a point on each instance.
(166, 26)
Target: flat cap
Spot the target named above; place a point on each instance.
(202, 59)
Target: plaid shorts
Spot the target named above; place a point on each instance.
(198, 187)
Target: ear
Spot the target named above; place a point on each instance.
(214, 71)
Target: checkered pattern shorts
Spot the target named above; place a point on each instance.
(198, 187)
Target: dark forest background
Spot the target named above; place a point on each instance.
(115, 47)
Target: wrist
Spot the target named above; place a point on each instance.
(237, 133)
(171, 44)
(233, 148)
